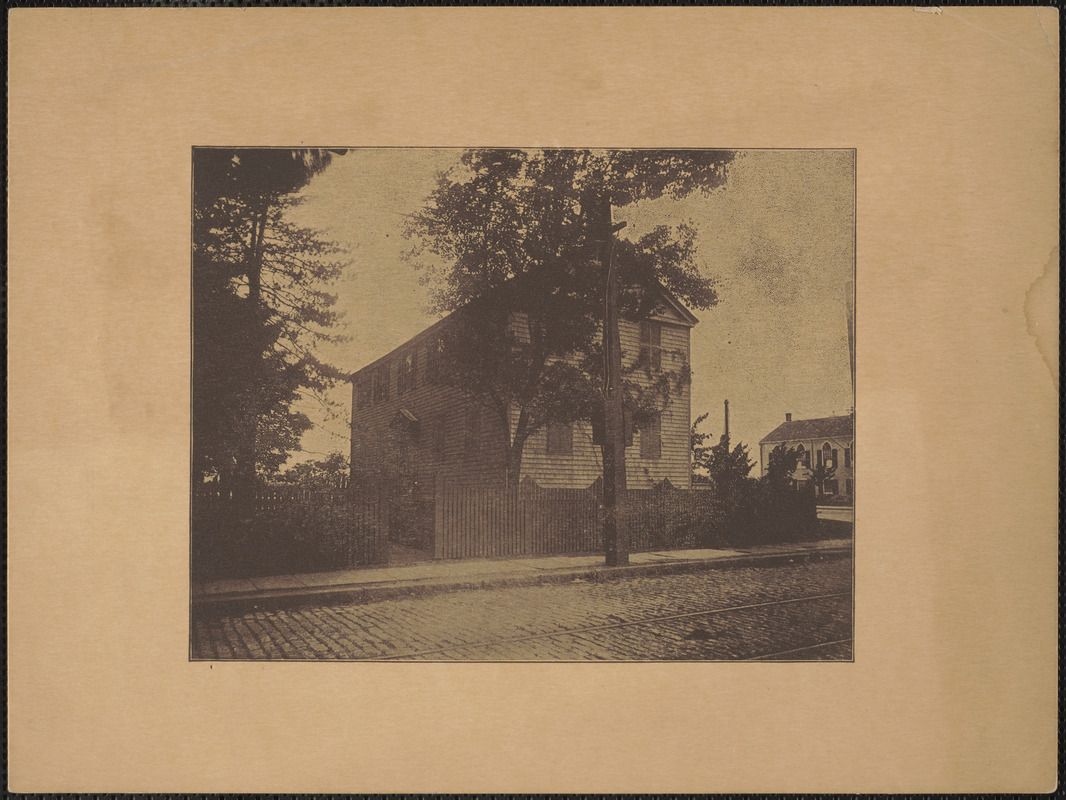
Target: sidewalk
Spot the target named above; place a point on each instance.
(369, 584)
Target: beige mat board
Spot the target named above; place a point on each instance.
(953, 113)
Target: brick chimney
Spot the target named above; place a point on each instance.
(788, 418)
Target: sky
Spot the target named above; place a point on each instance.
(777, 238)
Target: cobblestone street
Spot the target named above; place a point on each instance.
(798, 611)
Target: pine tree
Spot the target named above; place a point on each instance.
(260, 308)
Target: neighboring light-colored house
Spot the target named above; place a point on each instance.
(827, 440)
(454, 438)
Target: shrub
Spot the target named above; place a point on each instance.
(835, 529)
(757, 512)
(786, 516)
(314, 533)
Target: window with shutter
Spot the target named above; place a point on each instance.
(651, 445)
(431, 358)
(381, 383)
(560, 439)
(405, 380)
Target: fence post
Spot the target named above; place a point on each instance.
(527, 491)
(438, 515)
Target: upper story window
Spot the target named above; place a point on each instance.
(803, 457)
(434, 355)
(363, 392)
(405, 380)
(560, 439)
(651, 344)
(651, 439)
(847, 456)
(827, 455)
(381, 383)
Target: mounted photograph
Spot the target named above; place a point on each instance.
(522, 404)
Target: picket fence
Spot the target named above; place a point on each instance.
(281, 529)
(478, 521)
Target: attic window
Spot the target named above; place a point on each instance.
(651, 350)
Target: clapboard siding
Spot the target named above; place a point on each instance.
(585, 465)
(435, 405)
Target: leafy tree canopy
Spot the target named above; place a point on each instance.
(329, 472)
(724, 467)
(522, 232)
(781, 463)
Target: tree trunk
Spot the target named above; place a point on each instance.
(255, 253)
(246, 477)
(515, 446)
(513, 469)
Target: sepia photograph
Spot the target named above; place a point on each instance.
(499, 344)
(522, 404)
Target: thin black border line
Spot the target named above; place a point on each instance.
(854, 391)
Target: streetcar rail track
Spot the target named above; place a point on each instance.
(615, 625)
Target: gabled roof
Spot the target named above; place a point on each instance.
(675, 304)
(683, 317)
(821, 428)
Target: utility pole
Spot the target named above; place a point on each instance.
(727, 423)
(615, 531)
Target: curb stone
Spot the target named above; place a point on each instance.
(279, 599)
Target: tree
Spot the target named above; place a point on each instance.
(522, 232)
(329, 472)
(701, 452)
(780, 465)
(820, 474)
(784, 514)
(260, 307)
(728, 468)
(719, 465)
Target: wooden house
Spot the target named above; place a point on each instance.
(448, 436)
